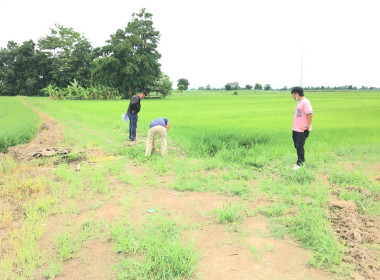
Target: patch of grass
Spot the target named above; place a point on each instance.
(292, 193)
(55, 269)
(96, 179)
(230, 213)
(25, 257)
(24, 185)
(153, 251)
(41, 207)
(274, 210)
(128, 179)
(341, 178)
(277, 228)
(71, 182)
(69, 241)
(311, 228)
(160, 164)
(238, 174)
(302, 176)
(200, 182)
(67, 246)
(367, 204)
(7, 165)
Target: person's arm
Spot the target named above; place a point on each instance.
(309, 118)
(167, 126)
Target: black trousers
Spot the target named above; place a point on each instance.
(299, 139)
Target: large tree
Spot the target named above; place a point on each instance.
(133, 51)
(70, 56)
(106, 72)
(23, 69)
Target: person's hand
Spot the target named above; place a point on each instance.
(304, 128)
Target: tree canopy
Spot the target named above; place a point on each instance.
(69, 53)
(183, 82)
(23, 69)
(128, 62)
(132, 54)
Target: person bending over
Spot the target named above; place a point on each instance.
(158, 126)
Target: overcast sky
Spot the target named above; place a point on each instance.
(217, 42)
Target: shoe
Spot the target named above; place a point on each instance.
(296, 167)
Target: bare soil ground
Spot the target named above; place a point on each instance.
(357, 232)
(225, 253)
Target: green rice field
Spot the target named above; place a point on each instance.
(18, 122)
(238, 147)
(246, 129)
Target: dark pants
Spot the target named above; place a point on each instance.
(133, 118)
(299, 139)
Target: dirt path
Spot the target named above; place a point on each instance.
(225, 254)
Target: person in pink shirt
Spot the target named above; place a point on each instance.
(303, 116)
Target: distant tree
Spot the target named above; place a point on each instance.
(228, 86)
(164, 85)
(183, 82)
(181, 88)
(248, 87)
(258, 86)
(267, 87)
(70, 56)
(284, 88)
(135, 49)
(232, 86)
(208, 87)
(235, 85)
(23, 69)
(201, 88)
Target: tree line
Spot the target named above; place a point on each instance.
(235, 86)
(65, 64)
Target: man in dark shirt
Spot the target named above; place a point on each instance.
(133, 109)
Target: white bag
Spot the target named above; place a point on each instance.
(125, 117)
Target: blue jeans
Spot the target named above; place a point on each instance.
(133, 118)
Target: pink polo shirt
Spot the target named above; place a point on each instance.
(303, 108)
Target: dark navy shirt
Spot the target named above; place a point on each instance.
(134, 105)
(160, 121)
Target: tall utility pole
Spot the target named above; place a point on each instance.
(301, 80)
